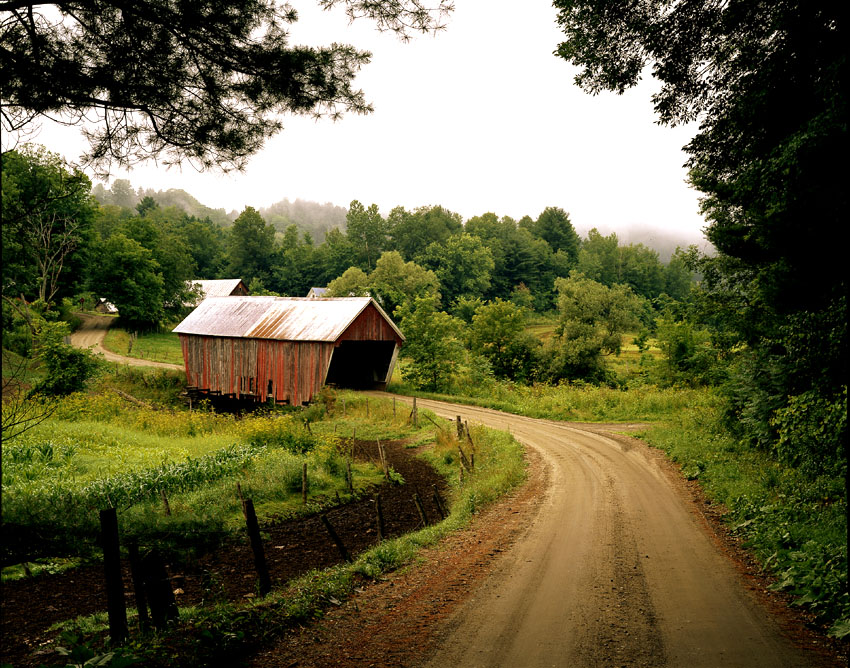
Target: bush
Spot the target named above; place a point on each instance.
(68, 369)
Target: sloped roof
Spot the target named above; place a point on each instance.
(280, 318)
(217, 288)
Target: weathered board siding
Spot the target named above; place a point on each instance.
(370, 325)
(290, 371)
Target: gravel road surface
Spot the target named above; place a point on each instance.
(614, 569)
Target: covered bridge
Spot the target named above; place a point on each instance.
(287, 347)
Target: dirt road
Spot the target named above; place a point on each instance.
(614, 569)
(92, 332)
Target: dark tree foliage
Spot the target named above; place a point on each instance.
(197, 80)
(554, 226)
(47, 215)
(767, 82)
(412, 232)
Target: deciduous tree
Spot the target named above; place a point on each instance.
(768, 83)
(251, 247)
(463, 266)
(433, 347)
(498, 333)
(47, 217)
(592, 319)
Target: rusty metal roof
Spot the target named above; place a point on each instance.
(280, 318)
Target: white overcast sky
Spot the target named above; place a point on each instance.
(481, 117)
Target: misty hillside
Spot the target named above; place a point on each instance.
(121, 193)
(662, 240)
(319, 219)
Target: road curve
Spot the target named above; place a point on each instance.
(615, 569)
(92, 332)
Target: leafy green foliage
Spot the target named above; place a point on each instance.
(463, 266)
(47, 220)
(433, 349)
(251, 247)
(367, 231)
(128, 275)
(555, 228)
(68, 368)
(81, 654)
(690, 357)
(413, 231)
(498, 333)
(592, 319)
(776, 292)
(811, 429)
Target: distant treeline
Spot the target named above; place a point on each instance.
(318, 219)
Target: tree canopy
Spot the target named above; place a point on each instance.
(203, 81)
(768, 83)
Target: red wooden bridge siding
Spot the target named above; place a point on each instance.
(280, 347)
(244, 367)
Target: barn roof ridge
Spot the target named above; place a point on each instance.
(281, 318)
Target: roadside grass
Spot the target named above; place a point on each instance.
(19, 372)
(224, 632)
(795, 525)
(152, 346)
(577, 402)
(159, 387)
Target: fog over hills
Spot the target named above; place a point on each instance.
(319, 219)
(661, 239)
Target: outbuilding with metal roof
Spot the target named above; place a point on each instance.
(287, 348)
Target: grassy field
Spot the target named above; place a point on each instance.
(154, 346)
(97, 451)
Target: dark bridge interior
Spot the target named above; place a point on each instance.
(361, 365)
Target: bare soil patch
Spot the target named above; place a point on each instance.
(28, 607)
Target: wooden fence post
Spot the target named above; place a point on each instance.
(257, 547)
(379, 513)
(158, 590)
(118, 631)
(350, 476)
(439, 502)
(459, 428)
(415, 415)
(384, 463)
(420, 508)
(165, 503)
(336, 539)
(241, 498)
(138, 584)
